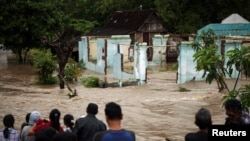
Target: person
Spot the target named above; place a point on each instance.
(25, 123)
(203, 120)
(68, 121)
(54, 121)
(65, 136)
(9, 133)
(72, 93)
(115, 132)
(86, 127)
(34, 117)
(236, 115)
(46, 134)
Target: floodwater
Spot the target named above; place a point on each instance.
(155, 111)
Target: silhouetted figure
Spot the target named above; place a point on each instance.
(203, 120)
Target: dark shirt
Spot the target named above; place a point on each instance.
(243, 120)
(85, 128)
(198, 136)
(115, 135)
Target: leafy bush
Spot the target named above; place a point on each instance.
(90, 81)
(243, 94)
(44, 64)
(73, 70)
(48, 80)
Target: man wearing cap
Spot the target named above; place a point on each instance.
(86, 127)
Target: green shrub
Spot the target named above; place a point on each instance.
(90, 81)
(73, 70)
(44, 64)
(48, 80)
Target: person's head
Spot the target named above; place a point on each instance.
(113, 111)
(54, 117)
(92, 108)
(203, 118)
(68, 120)
(46, 134)
(34, 117)
(233, 109)
(8, 122)
(27, 117)
(65, 136)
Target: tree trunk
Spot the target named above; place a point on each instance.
(20, 57)
(61, 76)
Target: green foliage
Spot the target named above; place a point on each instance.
(209, 60)
(90, 81)
(72, 70)
(182, 89)
(44, 65)
(243, 94)
(240, 59)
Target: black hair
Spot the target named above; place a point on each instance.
(8, 122)
(65, 136)
(27, 117)
(68, 120)
(113, 111)
(92, 108)
(54, 117)
(203, 118)
(46, 134)
(233, 104)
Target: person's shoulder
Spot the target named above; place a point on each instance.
(13, 131)
(26, 128)
(196, 136)
(130, 131)
(98, 136)
(190, 136)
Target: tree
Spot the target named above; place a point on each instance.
(187, 16)
(65, 34)
(239, 59)
(22, 25)
(209, 60)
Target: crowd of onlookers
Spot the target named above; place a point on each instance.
(85, 128)
(90, 128)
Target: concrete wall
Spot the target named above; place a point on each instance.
(186, 65)
(118, 51)
(159, 48)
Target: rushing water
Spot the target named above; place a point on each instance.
(155, 111)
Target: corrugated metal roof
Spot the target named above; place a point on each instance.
(228, 29)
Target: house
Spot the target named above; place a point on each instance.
(233, 32)
(140, 25)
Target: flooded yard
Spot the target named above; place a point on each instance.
(155, 111)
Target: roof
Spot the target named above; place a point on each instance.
(228, 29)
(234, 18)
(125, 23)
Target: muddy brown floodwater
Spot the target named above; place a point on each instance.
(155, 111)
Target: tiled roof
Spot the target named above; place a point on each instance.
(123, 23)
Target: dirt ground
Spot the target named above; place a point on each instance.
(155, 111)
